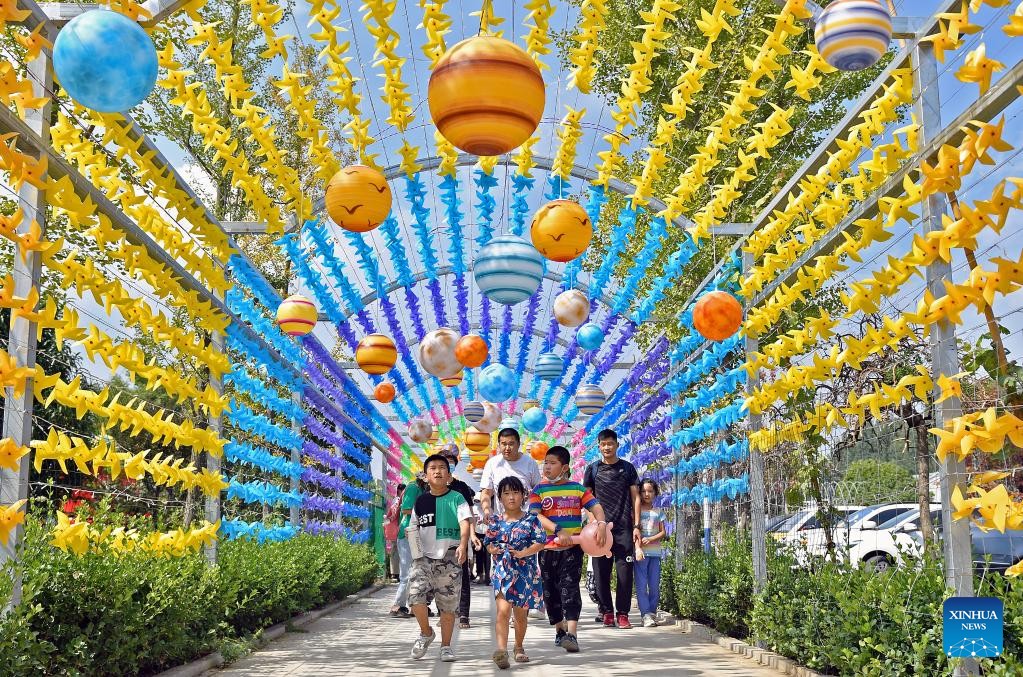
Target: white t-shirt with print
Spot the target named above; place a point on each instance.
(497, 468)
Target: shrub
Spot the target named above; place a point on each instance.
(835, 620)
(132, 613)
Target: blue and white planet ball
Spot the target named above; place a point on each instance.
(473, 411)
(590, 399)
(589, 336)
(853, 34)
(549, 366)
(105, 61)
(496, 383)
(534, 420)
(508, 270)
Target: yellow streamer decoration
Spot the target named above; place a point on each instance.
(538, 39)
(569, 135)
(592, 21)
(80, 537)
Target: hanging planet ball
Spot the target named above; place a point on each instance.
(491, 418)
(434, 437)
(376, 354)
(549, 366)
(538, 450)
(496, 383)
(473, 411)
(534, 420)
(529, 404)
(486, 95)
(420, 430)
(509, 422)
(296, 316)
(358, 198)
(471, 350)
(571, 308)
(437, 353)
(590, 399)
(477, 441)
(717, 315)
(384, 392)
(853, 34)
(452, 381)
(589, 336)
(508, 270)
(561, 230)
(105, 61)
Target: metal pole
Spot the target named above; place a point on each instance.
(296, 457)
(216, 425)
(22, 335)
(756, 470)
(944, 358)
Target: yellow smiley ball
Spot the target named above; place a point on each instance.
(561, 230)
(358, 198)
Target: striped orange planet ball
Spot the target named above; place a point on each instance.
(476, 440)
(376, 354)
(538, 450)
(717, 315)
(296, 316)
(452, 381)
(486, 95)
(384, 392)
(358, 198)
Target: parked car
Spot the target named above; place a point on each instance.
(774, 522)
(885, 546)
(850, 530)
(891, 543)
(806, 524)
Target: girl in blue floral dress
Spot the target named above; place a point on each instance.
(513, 539)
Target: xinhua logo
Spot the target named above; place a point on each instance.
(972, 627)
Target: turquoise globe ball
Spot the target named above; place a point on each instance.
(534, 420)
(589, 336)
(496, 383)
(105, 61)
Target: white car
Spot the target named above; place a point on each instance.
(803, 530)
(863, 521)
(885, 546)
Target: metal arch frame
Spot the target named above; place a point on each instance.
(542, 162)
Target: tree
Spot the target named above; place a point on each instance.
(868, 482)
(810, 121)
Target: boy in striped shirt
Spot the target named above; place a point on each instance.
(559, 502)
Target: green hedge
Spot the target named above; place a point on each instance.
(136, 613)
(833, 620)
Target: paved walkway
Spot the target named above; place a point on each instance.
(362, 640)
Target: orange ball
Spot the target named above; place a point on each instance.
(376, 354)
(538, 450)
(358, 198)
(486, 95)
(717, 315)
(384, 392)
(471, 350)
(561, 230)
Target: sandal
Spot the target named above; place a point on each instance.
(500, 659)
(520, 655)
(463, 622)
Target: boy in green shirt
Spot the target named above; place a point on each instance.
(440, 527)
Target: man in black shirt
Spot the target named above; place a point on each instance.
(451, 453)
(615, 483)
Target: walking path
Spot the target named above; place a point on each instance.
(362, 640)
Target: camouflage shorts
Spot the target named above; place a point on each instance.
(437, 578)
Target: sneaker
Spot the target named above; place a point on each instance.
(609, 620)
(536, 614)
(649, 621)
(447, 655)
(569, 643)
(599, 618)
(421, 644)
(623, 622)
(559, 635)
